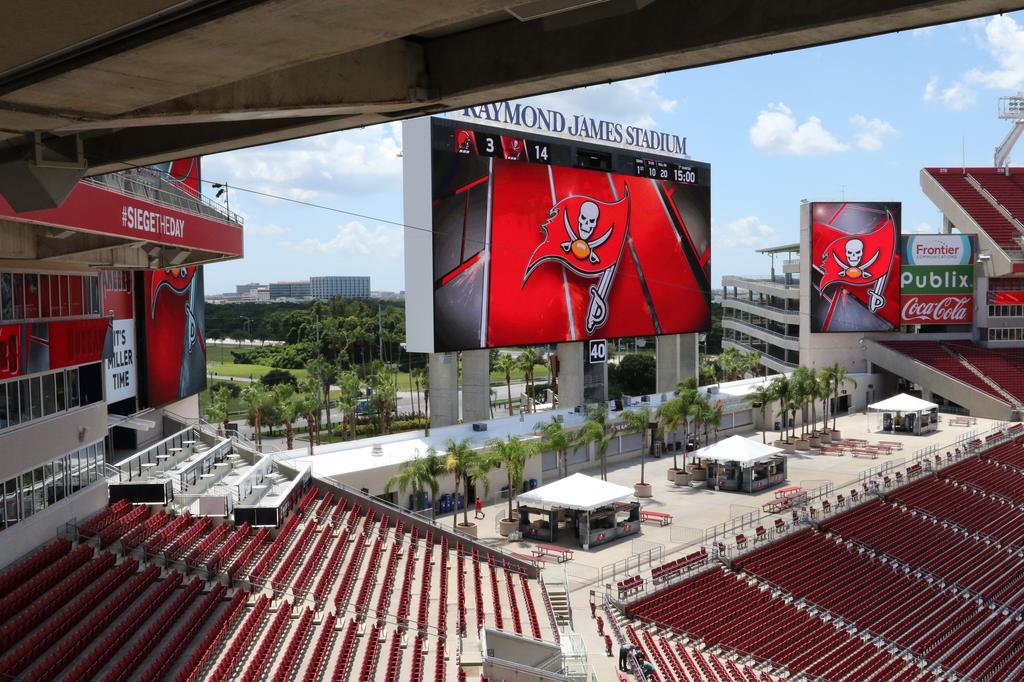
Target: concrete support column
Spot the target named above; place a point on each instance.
(677, 356)
(443, 369)
(570, 374)
(476, 385)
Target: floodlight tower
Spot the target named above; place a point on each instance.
(1011, 108)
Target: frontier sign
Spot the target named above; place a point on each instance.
(937, 279)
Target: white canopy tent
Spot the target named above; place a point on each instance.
(905, 413)
(737, 449)
(902, 403)
(578, 491)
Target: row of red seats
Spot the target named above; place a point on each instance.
(276, 547)
(30, 649)
(442, 613)
(127, 662)
(187, 539)
(424, 606)
(322, 650)
(228, 549)
(321, 509)
(206, 651)
(531, 610)
(348, 578)
(517, 623)
(439, 668)
(416, 665)
(348, 652)
(370, 655)
(331, 570)
(72, 645)
(287, 567)
(135, 536)
(384, 598)
(987, 216)
(479, 590)
(460, 587)
(635, 641)
(406, 594)
(1006, 368)
(124, 628)
(677, 566)
(123, 524)
(240, 639)
(394, 659)
(198, 554)
(166, 534)
(268, 642)
(966, 507)
(312, 563)
(339, 510)
(20, 572)
(21, 596)
(551, 612)
(42, 607)
(307, 502)
(95, 524)
(160, 667)
(989, 476)
(368, 520)
(368, 578)
(246, 556)
(296, 646)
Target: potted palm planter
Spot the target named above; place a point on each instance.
(683, 478)
(469, 528)
(642, 489)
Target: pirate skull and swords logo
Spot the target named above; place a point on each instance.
(853, 267)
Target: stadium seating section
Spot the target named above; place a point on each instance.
(339, 593)
(948, 357)
(923, 583)
(1006, 190)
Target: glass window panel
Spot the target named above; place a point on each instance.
(26, 495)
(13, 410)
(75, 285)
(3, 407)
(37, 397)
(49, 494)
(59, 380)
(64, 300)
(38, 490)
(6, 296)
(31, 295)
(72, 388)
(19, 295)
(25, 394)
(59, 482)
(11, 501)
(73, 471)
(49, 394)
(44, 296)
(97, 298)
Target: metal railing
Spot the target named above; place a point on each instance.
(635, 562)
(154, 186)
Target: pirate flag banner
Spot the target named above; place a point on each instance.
(174, 328)
(855, 258)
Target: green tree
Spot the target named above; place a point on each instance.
(384, 394)
(838, 377)
(780, 390)
(416, 374)
(309, 390)
(506, 364)
(759, 398)
(753, 359)
(801, 383)
(634, 374)
(701, 411)
(595, 430)
(257, 399)
(528, 360)
(556, 438)
(639, 421)
(278, 376)
(219, 409)
(708, 371)
(349, 389)
(419, 474)
(459, 461)
(288, 410)
(513, 453)
(326, 373)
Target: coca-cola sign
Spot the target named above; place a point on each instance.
(938, 309)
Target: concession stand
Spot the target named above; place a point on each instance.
(595, 511)
(906, 414)
(742, 465)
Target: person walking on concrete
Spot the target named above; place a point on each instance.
(624, 652)
(479, 510)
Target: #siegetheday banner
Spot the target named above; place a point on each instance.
(937, 279)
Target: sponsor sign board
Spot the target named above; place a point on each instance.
(937, 279)
(121, 374)
(855, 265)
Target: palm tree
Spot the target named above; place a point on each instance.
(419, 473)
(416, 374)
(528, 359)
(760, 397)
(256, 397)
(753, 359)
(639, 421)
(708, 372)
(556, 438)
(326, 374)
(800, 384)
(306, 405)
(507, 364)
(459, 459)
(825, 389)
(713, 420)
(513, 453)
(384, 392)
(219, 409)
(701, 411)
(348, 398)
(595, 431)
(838, 377)
(779, 389)
(288, 410)
(675, 413)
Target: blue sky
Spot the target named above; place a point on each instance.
(864, 116)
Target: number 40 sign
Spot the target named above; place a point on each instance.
(598, 351)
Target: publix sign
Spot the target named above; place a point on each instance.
(937, 279)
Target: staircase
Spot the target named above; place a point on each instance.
(557, 587)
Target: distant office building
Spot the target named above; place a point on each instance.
(325, 288)
(294, 289)
(247, 289)
(388, 295)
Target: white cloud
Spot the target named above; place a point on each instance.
(348, 163)
(745, 232)
(354, 238)
(1004, 39)
(930, 88)
(921, 228)
(635, 102)
(265, 230)
(776, 131)
(872, 132)
(957, 96)
(923, 31)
